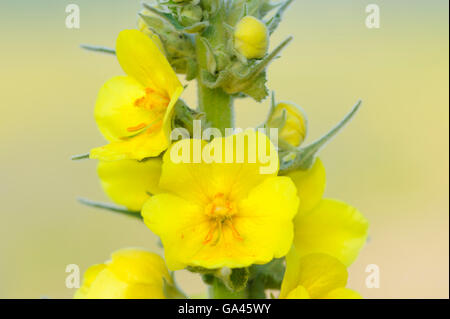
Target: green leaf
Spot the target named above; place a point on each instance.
(306, 156)
(219, 291)
(100, 49)
(273, 23)
(80, 157)
(239, 278)
(165, 15)
(258, 89)
(197, 27)
(110, 207)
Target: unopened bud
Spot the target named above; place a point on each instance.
(190, 15)
(251, 38)
(291, 122)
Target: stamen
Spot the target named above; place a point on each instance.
(220, 212)
(137, 127)
(210, 235)
(234, 230)
(153, 100)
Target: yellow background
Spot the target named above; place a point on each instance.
(391, 162)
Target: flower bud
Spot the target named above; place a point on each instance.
(190, 15)
(130, 274)
(251, 38)
(291, 122)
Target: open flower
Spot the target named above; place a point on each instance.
(134, 112)
(130, 183)
(130, 274)
(325, 225)
(315, 276)
(221, 214)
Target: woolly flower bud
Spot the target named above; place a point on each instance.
(251, 38)
(293, 128)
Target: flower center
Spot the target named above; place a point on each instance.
(155, 102)
(220, 212)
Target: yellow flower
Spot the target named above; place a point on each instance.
(295, 128)
(223, 214)
(315, 276)
(251, 38)
(130, 183)
(134, 112)
(325, 225)
(130, 274)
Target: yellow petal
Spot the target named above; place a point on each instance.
(292, 273)
(342, 293)
(141, 59)
(181, 225)
(139, 291)
(235, 177)
(319, 274)
(265, 218)
(106, 286)
(129, 182)
(334, 228)
(115, 109)
(298, 293)
(89, 277)
(136, 266)
(310, 185)
(131, 274)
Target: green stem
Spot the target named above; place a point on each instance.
(218, 291)
(217, 106)
(215, 103)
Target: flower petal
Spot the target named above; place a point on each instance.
(265, 218)
(130, 274)
(319, 274)
(310, 185)
(298, 293)
(88, 278)
(115, 110)
(140, 58)
(129, 182)
(334, 228)
(182, 227)
(186, 178)
(136, 266)
(342, 293)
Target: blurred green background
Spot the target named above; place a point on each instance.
(392, 161)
